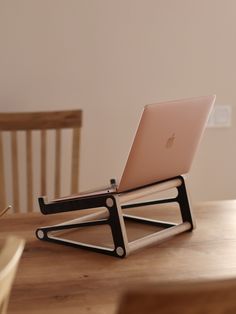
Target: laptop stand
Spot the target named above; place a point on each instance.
(114, 217)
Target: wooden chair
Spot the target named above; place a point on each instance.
(213, 297)
(17, 128)
(9, 260)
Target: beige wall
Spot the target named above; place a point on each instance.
(110, 58)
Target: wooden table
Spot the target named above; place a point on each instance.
(57, 279)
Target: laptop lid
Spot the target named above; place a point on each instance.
(166, 141)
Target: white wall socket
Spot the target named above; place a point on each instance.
(220, 117)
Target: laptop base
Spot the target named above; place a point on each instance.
(113, 216)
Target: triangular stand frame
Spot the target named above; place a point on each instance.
(114, 217)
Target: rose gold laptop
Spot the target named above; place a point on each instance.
(165, 143)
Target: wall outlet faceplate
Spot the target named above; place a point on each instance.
(220, 117)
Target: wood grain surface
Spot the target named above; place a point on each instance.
(57, 279)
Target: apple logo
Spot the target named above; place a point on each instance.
(170, 141)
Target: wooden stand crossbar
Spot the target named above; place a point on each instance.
(114, 217)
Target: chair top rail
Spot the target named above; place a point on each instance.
(40, 120)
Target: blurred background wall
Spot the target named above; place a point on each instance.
(109, 58)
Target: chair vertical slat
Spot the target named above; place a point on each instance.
(57, 163)
(15, 172)
(75, 161)
(29, 176)
(43, 162)
(2, 176)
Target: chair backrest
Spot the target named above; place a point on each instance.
(9, 260)
(17, 131)
(213, 297)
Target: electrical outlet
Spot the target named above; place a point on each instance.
(220, 117)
